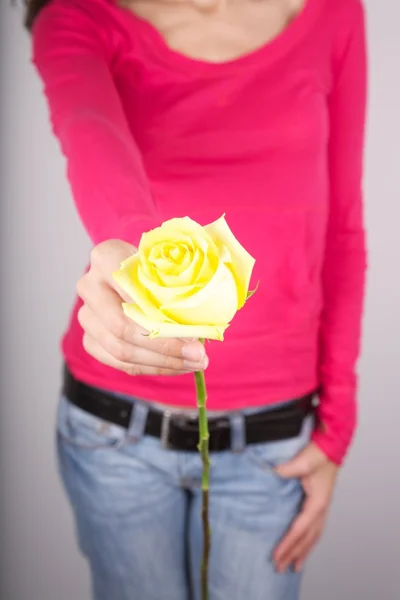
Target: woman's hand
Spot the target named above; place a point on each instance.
(318, 476)
(116, 341)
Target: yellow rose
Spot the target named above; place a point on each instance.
(186, 280)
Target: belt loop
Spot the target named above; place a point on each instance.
(137, 425)
(165, 427)
(238, 432)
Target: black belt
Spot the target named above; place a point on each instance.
(180, 432)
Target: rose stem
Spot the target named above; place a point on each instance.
(205, 483)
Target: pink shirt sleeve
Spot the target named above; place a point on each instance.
(345, 259)
(108, 181)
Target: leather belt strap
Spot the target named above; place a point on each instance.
(178, 432)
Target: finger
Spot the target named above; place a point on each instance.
(125, 352)
(303, 550)
(305, 463)
(311, 512)
(98, 352)
(106, 258)
(106, 304)
(299, 550)
(294, 535)
(190, 350)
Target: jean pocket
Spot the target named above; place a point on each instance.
(84, 430)
(267, 456)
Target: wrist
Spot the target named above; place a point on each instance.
(334, 451)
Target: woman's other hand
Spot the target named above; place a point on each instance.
(318, 476)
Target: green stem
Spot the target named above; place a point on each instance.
(205, 483)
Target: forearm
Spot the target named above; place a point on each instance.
(343, 276)
(73, 55)
(340, 335)
(108, 183)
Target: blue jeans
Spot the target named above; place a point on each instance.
(138, 512)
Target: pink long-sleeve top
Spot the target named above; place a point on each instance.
(273, 139)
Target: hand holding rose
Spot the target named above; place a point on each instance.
(116, 341)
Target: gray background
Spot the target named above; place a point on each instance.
(44, 249)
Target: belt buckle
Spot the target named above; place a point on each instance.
(165, 429)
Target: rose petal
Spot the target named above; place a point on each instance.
(168, 330)
(127, 279)
(242, 261)
(216, 302)
(162, 293)
(186, 276)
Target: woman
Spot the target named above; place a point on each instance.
(168, 108)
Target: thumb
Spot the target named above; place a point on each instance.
(305, 463)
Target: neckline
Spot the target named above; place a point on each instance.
(264, 54)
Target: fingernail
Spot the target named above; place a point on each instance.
(194, 353)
